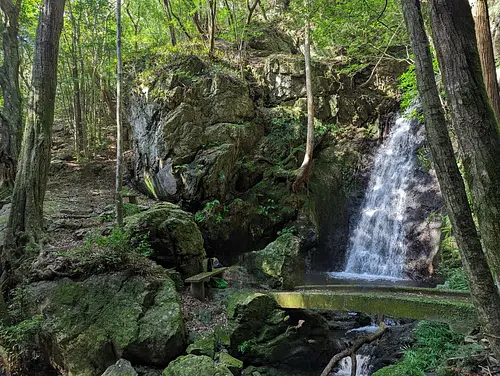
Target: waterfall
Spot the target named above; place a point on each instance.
(362, 369)
(377, 246)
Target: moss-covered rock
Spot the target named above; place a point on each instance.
(121, 368)
(281, 263)
(88, 325)
(247, 312)
(203, 346)
(233, 364)
(174, 237)
(191, 365)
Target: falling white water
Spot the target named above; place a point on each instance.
(362, 366)
(377, 247)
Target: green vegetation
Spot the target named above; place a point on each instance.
(434, 344)
(212, 210)
(108, 252)
(18, 340)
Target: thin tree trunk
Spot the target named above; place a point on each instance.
(305, 168)
(212, 21)
(119, 141)
(79, 134)
(26, 217)
(485, 48)
(473, 118)
(483, 291)
(168, 11)
(11, 122)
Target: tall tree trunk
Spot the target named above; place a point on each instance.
(473, 118)
(212, 22)
(79, 133)
(305, 168)
(486, 55)
(119, 127)
(483, 291)
(168, 11)
(26, 216)
(11, 122)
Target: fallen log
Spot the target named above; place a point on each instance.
(355, 347)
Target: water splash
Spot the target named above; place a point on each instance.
(377, 247)
(362, 368)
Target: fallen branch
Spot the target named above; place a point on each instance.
(352, 350)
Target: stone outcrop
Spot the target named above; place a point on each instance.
(173, 235)
(227, 148)
(89, 325)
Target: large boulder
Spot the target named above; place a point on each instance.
(263, 334)
(191, 365)
(190, 127)
(88, 325)
(281, 263)
(174, 237)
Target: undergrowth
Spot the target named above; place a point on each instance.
(437, 349)
(118, 250)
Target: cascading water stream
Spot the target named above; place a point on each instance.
(377, 247)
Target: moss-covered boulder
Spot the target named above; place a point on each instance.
(174, 237)
(281, 263)
(203, 346)
(191, 365)
(247, 312)
(88, 325)
(121, 368)
(233, 364)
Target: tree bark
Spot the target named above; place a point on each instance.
(486, 55)
(483, 291)
(305, 168)
(119, 137)
(26, 216)
(212, 21)
(79, 132)
(171, 28)
(473, 118)
(11, 122)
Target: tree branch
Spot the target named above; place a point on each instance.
(348, 352)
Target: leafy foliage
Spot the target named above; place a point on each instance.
(435, 343)
(18, 339)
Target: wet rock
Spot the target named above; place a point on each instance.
(190, 365)
(89, 325)
(173, 235)
(281, 263)
(121, 368)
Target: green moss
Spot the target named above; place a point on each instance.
(190, 365)
(457, 311)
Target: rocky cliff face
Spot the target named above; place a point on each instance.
(226, 148)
